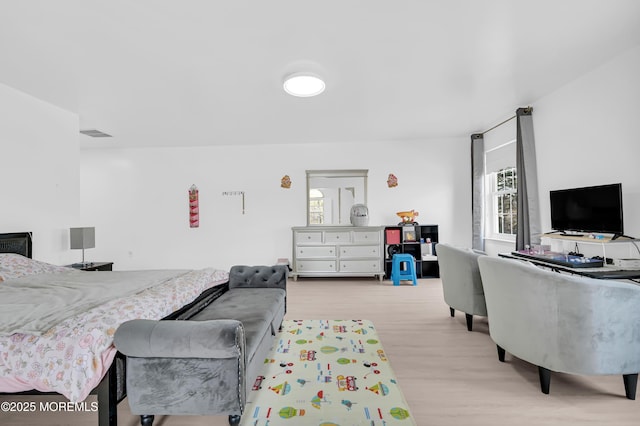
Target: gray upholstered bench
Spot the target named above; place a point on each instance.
(201, 366)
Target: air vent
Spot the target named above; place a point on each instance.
(95, 133)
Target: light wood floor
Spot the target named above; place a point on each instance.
(449, 376)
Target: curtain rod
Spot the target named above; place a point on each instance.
(498, 125)
(526, 110)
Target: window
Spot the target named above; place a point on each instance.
(503, 214)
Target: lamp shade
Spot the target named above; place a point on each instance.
(82, 238)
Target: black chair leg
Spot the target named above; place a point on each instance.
(234, 420)
(545, 379)
(452, 312)
(630, 385)
(501, 353)
(146, 420)
(469, 318)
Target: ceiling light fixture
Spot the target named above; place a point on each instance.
(303, 85)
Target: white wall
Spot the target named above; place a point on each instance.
(137, 198)
(587, 134)
(39, 159)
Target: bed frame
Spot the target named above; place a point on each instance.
(17, 242)
(112, 388)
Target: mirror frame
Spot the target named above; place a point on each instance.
(354, 173)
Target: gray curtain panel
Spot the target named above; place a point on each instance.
(529, 228)
(477, 193)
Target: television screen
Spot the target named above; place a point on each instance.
(588, 209)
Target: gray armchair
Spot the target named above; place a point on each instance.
(461, 282)
(561, 322)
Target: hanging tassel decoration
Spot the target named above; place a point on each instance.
(194, 209)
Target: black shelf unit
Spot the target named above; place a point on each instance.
(416, 240)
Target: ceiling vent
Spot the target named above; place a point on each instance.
(95, 133)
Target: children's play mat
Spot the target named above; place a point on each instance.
(326, 373)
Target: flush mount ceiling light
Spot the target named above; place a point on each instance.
(303, 85)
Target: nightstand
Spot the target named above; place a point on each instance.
(94, 266)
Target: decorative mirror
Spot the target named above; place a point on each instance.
(331, 193)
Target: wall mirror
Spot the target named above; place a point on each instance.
(331, 193)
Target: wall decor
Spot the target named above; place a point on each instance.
(235, 193)
(285, 182)
(194, 209)
(392, 181)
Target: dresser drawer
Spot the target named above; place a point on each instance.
(366, 237)
(360, 266)
(303, 266)
(308, 237)
(360, 251)
(315, 251)
(337, 237)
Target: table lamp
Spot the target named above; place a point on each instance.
(82, 238)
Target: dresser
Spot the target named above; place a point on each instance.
(338, 251)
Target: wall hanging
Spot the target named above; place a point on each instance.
(194, 209)
(285, 182)
(234, 193)
(392, 181)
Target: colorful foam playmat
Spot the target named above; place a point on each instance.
(327, 373)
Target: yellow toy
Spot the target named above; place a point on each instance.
(408, 216)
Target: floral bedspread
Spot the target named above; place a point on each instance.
(72, 357)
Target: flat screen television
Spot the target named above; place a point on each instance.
(588, 209)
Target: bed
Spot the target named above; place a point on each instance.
(67, 347)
